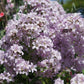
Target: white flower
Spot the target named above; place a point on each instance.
(1, 57)
(12, 32)
(59, 81)
(33, 68)
(52, 19)
(56, 54)
(43, 42)
(78, 79)
(17, 49)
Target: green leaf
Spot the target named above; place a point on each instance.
(83, 71)
(76, 55)
(43, 82)
(34, 80)
(2, 32)
(17, 17)
(24, 76)
(17, 10)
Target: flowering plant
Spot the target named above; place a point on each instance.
(42, 42)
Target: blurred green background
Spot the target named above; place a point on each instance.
(72, 5)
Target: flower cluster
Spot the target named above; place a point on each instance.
(6, 76)
(59, 81)
(44, 40)
(78, 79)
(9, 6)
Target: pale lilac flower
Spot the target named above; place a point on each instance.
(78, 79)
(2, 57)
(51, 39)
(12, 5)
(6, 76)
(42, 42)
(59, 81)
(8, 1)
(12, 32)
(17, 49)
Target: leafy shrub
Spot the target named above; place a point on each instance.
(43, 44)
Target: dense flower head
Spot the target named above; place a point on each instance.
(23, 67)
(78, 79)
(43, 37)
(42, 42)
(59, 81)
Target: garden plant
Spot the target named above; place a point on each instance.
(42, 45)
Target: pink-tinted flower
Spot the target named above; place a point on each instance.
(59, 81)
(12, 5)
(1, 14)
(8, 1)
(78, 79)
